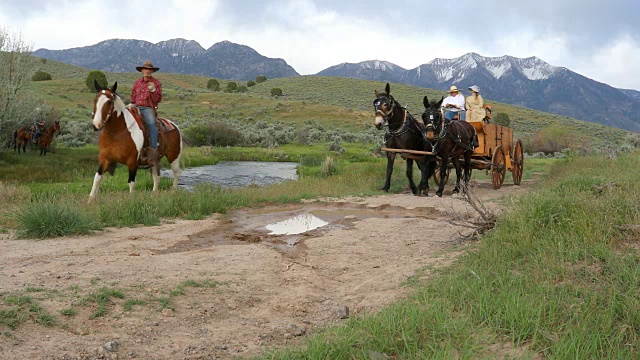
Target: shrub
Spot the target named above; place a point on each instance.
(329, 167)
(77, 134)
(96, 76)
(335, 145)
(231, 86)
(213, 85)
(41, 76)
(261, 79)
(242, 89)
(502, 119)
(276, 92)
(213, 134)
(251, 83)
(51, 219)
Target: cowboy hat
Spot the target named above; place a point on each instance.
(474, 88)
(147, 65)
(453, 88)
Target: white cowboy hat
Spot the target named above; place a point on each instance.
(453, 88)
(474, 88)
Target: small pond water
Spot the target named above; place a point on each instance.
(296, 225)
(236, 174)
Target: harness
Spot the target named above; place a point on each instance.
(444, 133)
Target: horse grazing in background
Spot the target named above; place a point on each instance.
(402, 131)
(25, 134)
(123, 137)
(450, 139)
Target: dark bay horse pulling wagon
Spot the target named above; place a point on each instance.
(495, 153)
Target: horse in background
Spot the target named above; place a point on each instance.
(24, 135)
(123, 137)
(402, 131)
(450, 139)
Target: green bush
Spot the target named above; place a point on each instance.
(213, 85)
(329, 167)
(96, 76)
(251, 83)
(51, 219)
(261, 79)
(502, 119)
(231, 86)
(213, 134)
(41, 76)
(276, 92)
(242, 89)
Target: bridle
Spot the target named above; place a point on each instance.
(111, 96)
(429, 118)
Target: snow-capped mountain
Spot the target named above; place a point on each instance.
(369, 70)
(528, 82)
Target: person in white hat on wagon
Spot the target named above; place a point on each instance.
(454, 104)
(145, 95)
(475, 105)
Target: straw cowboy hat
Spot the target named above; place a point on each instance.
(474, 88)
(147, 65)
(453, 88)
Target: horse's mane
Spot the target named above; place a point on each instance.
(118, 104)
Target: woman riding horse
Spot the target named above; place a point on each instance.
(402, 131)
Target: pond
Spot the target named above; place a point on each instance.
(236, 174)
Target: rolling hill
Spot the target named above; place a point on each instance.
(334, 102)
(528, 82)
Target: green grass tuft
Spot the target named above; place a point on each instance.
(50, 219)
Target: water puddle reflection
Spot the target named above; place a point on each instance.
(296, 225)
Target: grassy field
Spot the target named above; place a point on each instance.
(559, 276)
(38, 191)
(331, 101)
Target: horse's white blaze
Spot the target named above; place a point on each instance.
(97, 116)
(379, 120)
(96, 184)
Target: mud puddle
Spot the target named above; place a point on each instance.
(286, 228)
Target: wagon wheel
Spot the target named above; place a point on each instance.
(497, 167)
(436, 176)
(518, 163)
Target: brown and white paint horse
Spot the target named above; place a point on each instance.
(122, 139)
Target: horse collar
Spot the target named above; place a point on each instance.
(402, 128)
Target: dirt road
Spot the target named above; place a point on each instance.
(227, 287)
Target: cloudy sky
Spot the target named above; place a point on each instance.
(598, 39)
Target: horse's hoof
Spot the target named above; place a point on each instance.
(385, 189)
(456, 191)
(439, 194)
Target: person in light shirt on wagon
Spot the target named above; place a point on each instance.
(145, 95)
(454, 105)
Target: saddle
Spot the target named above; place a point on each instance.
(163, 125)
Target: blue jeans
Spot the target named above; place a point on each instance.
(449, 115)
(150, 118)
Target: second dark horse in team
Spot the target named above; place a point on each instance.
(445, 139)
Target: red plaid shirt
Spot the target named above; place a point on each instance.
(141, 96)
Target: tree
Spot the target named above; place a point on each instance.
(502, 119)
(261, 79)
(96, 76)
(242, 89)
(16, 105)
(41, 76)
(231, 86)
(213, 85)
(251, 83)
(276, 92)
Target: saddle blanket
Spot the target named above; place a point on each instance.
(165, 125)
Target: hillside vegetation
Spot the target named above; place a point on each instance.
(331, 101)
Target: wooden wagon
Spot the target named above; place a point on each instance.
(496, 154)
